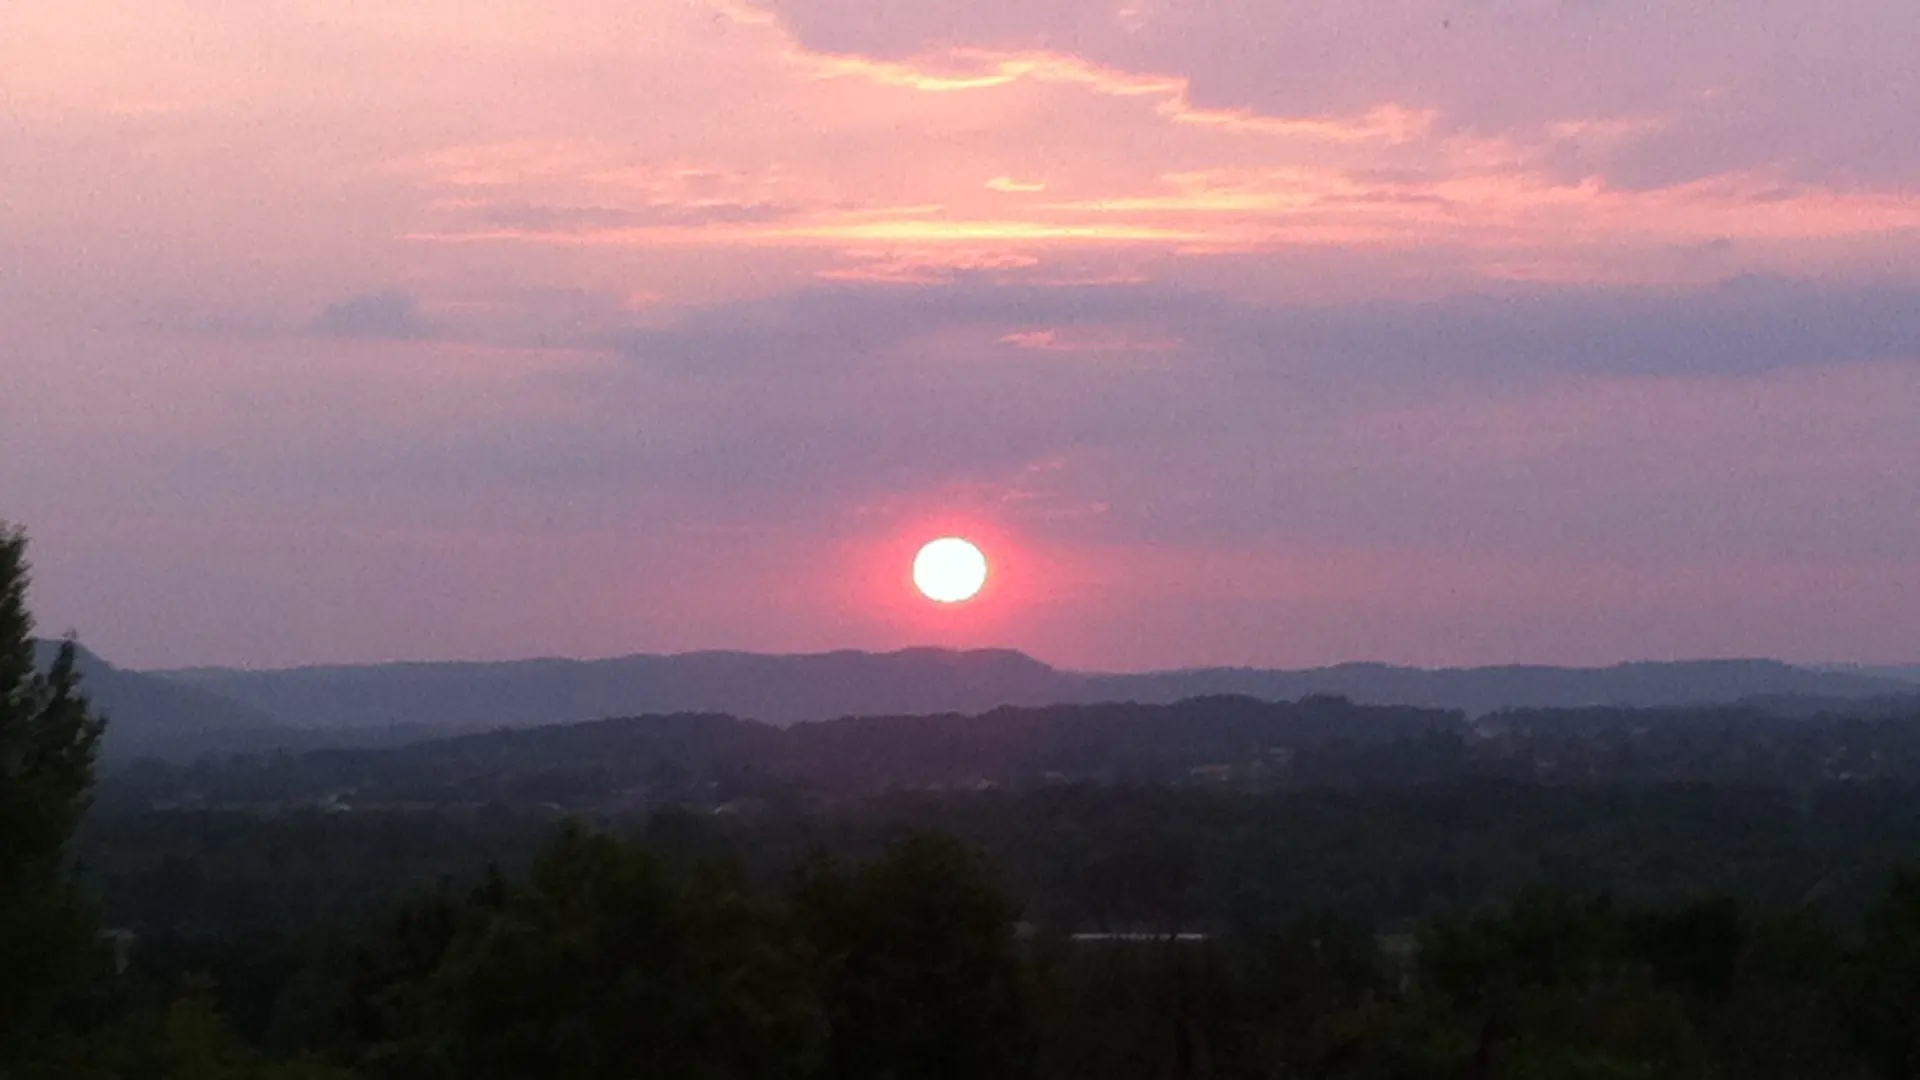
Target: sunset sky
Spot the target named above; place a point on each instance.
(1235, 331)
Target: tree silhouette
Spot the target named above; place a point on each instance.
(1886, 1006)
(48, 736)
(918, 966)
(605, 964)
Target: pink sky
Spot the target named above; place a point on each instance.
(1240, 332)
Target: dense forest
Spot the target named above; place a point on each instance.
(1220, 887)
(1239, 743)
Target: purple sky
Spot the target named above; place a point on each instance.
(1429, 331)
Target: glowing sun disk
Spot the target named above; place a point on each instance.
(949, 570)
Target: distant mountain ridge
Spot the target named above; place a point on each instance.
(1903, 672)
(1478, 691)
(773, 688)
(151, 716)
(787, 689)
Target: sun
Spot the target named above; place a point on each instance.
(949, 570)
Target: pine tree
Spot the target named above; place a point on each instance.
(48, 736)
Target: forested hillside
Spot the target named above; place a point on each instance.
(1238, 743)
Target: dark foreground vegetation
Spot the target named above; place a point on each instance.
(1220, 888)
(611, 957)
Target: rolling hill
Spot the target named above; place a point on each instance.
(787, 689)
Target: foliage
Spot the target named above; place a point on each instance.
(48, 735)
(602, 964)
(1886, 1000)
(917, 966)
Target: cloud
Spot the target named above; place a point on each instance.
(850, 327)
(1277, 465)
(536, 218)
(392, 314)
(1114, 340)
(834, 396)
(1199, 419)
(501, 317)
(1663, 94)
(1741, 326)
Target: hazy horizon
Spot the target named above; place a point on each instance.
(1835, 665)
